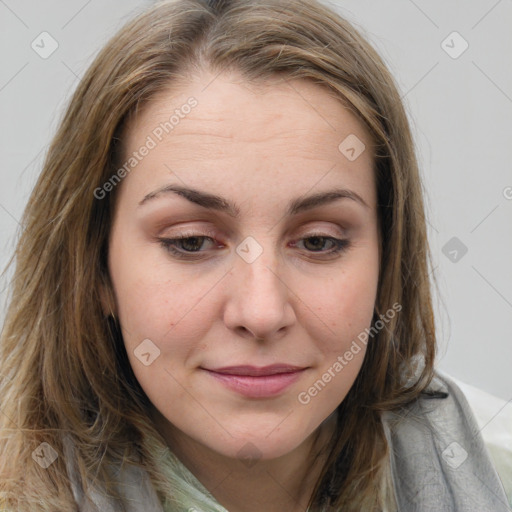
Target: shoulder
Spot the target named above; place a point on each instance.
(133, 485)
(494, 418)
(438, 458)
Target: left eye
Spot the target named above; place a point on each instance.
(316, 243)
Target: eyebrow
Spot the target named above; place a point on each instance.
(218, 203)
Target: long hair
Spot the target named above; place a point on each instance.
(64, 367)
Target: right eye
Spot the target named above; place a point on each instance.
(185, 246)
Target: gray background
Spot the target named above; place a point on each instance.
(461, 111)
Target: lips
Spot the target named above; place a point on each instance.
(254, 371)
(257, 382)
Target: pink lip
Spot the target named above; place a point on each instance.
(257, 382)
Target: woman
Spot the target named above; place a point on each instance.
(221, 298)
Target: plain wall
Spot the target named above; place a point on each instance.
(460, 107)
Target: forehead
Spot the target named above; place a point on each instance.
(277, 132)
(235, 108)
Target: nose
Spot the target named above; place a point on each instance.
(258, 303)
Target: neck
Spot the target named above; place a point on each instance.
(284, 483)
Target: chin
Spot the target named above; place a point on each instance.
(250, 451)
(252, 443)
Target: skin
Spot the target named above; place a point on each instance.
(297, 303)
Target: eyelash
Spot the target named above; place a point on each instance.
(169, 244)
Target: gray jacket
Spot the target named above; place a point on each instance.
(439, 462)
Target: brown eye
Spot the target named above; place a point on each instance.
(181, 247)
(323, 245)
(316, 243)
(191, 243)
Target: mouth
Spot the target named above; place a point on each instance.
(255, 371)
(257, 382)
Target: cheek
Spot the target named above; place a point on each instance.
(339, 321)
(344, 304)
(164, 310)
(140, 278)
(157, 303)
(163, 324)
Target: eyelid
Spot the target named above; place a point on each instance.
(339, 243)
(191, 232)
(209, 233)
(340, 246)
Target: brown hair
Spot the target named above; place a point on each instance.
(64, 368)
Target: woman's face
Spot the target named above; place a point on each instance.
(242, 334)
